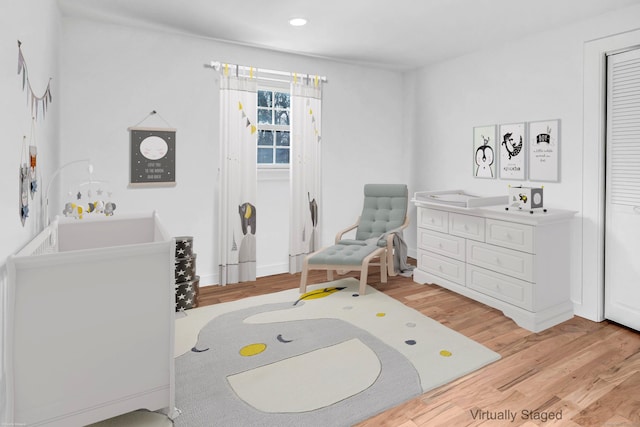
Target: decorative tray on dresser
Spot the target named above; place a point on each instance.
(514, 261)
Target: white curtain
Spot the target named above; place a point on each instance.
(237, 179)
(305, 172)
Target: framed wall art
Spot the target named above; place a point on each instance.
(484, 152)
(152, 157)
(512, 141)
(544, 150)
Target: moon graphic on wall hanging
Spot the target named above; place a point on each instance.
(154, 147)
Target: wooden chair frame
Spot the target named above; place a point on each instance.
(385, 255)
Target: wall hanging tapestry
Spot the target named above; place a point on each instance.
(152, 156)
(24, 184)
(33, 161)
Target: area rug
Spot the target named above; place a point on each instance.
(330, 357)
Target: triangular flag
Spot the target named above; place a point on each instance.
(248, 123)
(239, 105)
(253, 129)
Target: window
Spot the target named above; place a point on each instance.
(273, 127)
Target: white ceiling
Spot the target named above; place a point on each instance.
(397, 34)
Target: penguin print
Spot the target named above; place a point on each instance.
(484, 159)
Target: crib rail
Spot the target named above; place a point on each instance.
(45, 242)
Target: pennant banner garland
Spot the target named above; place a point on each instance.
(37, 102)
(315, 126)
(248, 123)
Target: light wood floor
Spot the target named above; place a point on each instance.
(587, 373)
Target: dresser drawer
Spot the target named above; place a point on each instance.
(510, 235)
(445, 267)
(433, 219)
(506, 261)
(504, 288)
(443, 244)
(470, 227)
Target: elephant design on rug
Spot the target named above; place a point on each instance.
(311, 372)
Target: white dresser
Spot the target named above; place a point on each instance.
(514, 261)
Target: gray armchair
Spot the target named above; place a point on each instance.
(384, 213)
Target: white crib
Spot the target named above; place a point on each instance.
(91, 322)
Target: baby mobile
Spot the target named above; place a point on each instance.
(94, 193)
(28, 182)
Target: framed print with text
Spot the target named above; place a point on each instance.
(512, 140)
(544, 150)
(152, 157)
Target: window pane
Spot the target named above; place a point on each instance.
(264, 116)
(281, 100)
(265, 155)
(282, 155)
(265, 137)
(264, 98)
(282, 117)
(282, 138)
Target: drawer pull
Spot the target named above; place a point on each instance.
(440, 267)
(498, 261)
(466, 227)
(440, 245)
(509, 236)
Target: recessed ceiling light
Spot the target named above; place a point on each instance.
(297, 22)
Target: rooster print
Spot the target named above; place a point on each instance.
(512, 148)
(512, 151)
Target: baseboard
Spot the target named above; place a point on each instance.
(261, 271)
(270, 270)
(209, 280)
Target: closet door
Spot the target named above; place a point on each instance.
(622, 233)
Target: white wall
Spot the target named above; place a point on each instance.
(37, 25)
(533, 79)
(115, 75)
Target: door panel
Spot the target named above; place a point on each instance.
(622, 232)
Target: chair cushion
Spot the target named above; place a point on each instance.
(385, 208)
(352, 242)
(342, 255)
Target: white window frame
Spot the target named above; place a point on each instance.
(285, 166)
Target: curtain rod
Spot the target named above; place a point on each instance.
(216, 65)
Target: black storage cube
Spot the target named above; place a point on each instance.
(185, 268)
(187, 294)
(184, 246)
